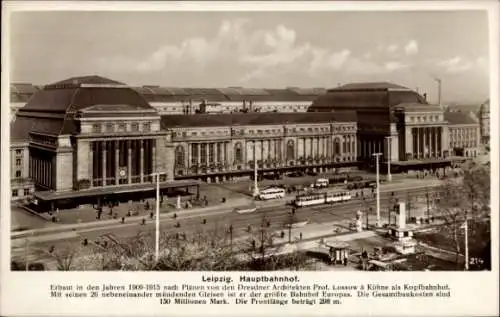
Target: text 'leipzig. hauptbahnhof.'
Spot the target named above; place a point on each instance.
(89, 136)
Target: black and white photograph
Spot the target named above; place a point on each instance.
(249, 141)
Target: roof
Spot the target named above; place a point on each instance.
(52, 110)
(93, 192)
(78, 98)
(176, 94)
(93, 79)
(360, 96)
(412, 106)
(458, 118)
(21, 92)
(254, 118)
(23, 88)
(369, 86)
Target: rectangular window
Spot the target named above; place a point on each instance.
(18, 162)
(110, 128)
(18, 174)
(194, 154)
(96, 128)
(122, 127)
(14, 193)
(146, 127)
(219, 153)
(135, 127)
(19, 152)
(203, 153)
(26, 192)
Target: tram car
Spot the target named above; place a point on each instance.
(313, 199)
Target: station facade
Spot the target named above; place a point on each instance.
(90, 135)
(401, 125)
(216, 148)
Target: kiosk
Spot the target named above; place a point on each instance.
(338, 251)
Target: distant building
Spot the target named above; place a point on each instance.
(20, 94)
(170, 100)
(464, 134)
(484, 122)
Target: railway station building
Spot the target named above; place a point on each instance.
(87, 138)
(400, 124)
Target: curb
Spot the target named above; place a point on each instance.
(105, 223)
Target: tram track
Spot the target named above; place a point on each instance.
(276, 215)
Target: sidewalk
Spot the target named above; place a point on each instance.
(227, 207)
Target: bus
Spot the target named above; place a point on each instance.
(272, 193)
(321, 198)
(320, 183)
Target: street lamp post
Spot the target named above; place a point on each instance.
(466, 233)
(377, 156)
(157, 236)
(389, 153)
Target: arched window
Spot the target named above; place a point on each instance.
(179, 156)
(290, 150)
(238, 154)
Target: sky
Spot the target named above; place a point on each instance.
(258, 49)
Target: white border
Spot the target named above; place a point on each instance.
(475, 293)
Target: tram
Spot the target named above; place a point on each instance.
(321, 198)
(272, 193)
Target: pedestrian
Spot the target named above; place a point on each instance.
(300, 236)
(123, 219)
(175, 215)
(151, 215)
(143, 221)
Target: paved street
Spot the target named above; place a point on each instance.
(20, 219)
(235, 193)
(325, 219)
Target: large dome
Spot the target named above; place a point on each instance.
(52, 109)
(365, 95)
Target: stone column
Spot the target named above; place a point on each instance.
(189, 158)
(417, 130)
(141, 168)
(117, 162)
(262, 158)
(91, 163)
(207, 152)
(129, 161)
(428, 134)
(223, 155)
(104, 151)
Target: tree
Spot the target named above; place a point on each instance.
(64, 256)
(466, 199)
